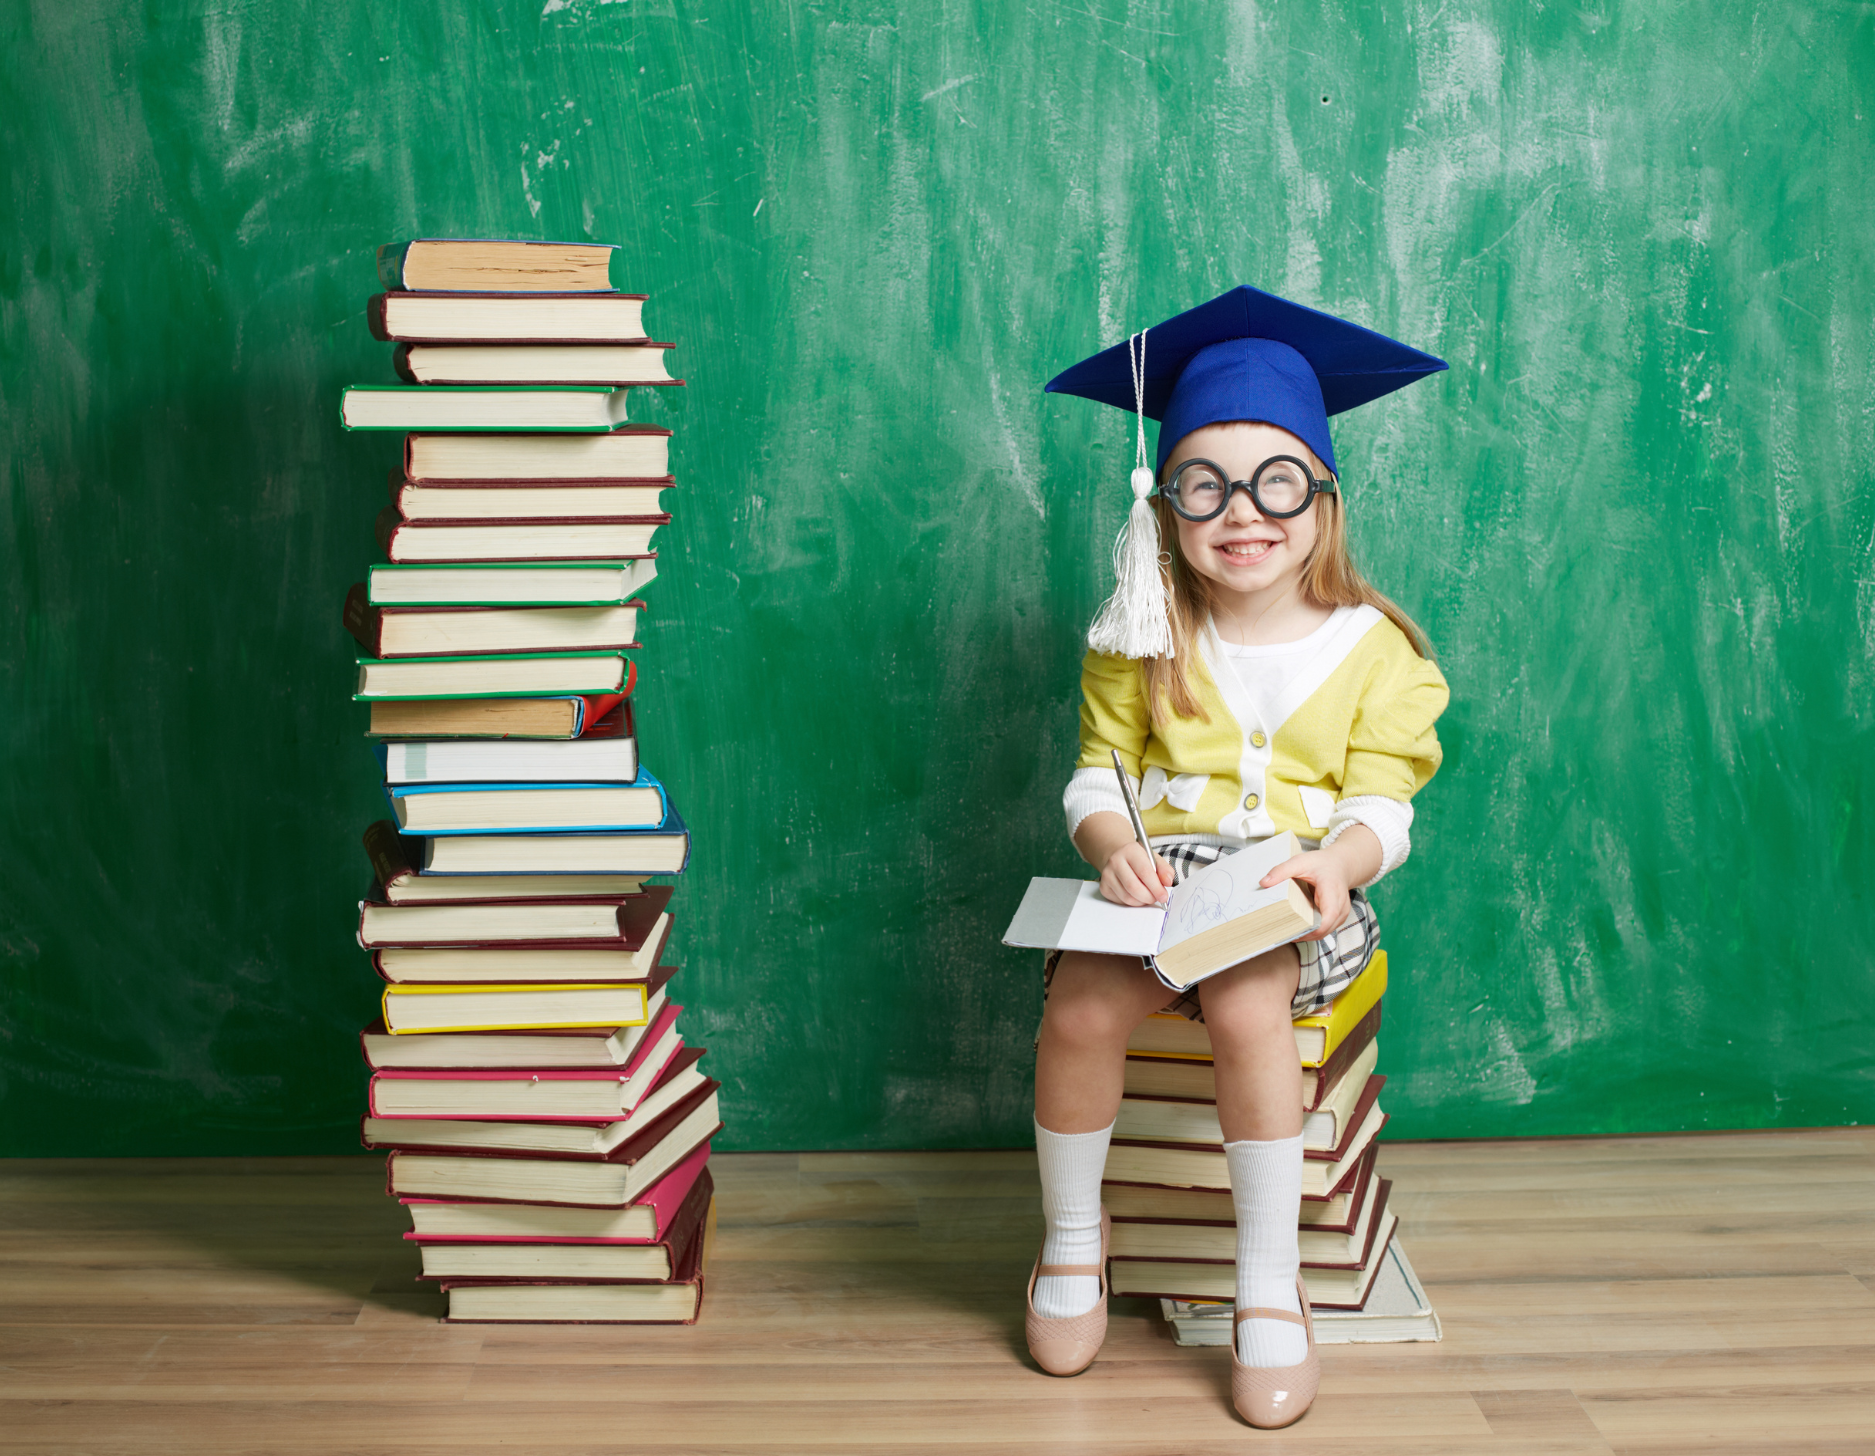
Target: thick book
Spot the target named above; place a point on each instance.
(1395, 1312)
(613, 364)
(678, 1080)
(1149, 1075)
(1218, 917)
(653, 1259)
(675, 1301)
(663, 851)
(1181, 1120)
(511, 583)
(629, 923)
(1334, 1214)
(602, 757)
(1317, 1037)
(621, 1177)
(528, 808)
(1202, 1165)
(1193, 1279)
(394, 859)
(566, 717)
(477, 631)
(448, 1220)
(602, 1047)
(535, 1094)
(524, 674)
(528, 500)
(632, 452)
(525, 963)
(531, 540)
(586, 409)
(412, 1009)
(487, 318)
(1217, 1243)
(495, 265)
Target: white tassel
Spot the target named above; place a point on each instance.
(1134, 622)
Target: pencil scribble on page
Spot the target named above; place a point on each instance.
(1208, 904)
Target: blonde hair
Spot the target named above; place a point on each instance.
(1329, 579)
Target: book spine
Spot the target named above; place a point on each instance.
(387, 523)
(391, 264)
(384, 847)
(400, 361)
(364, 621)
(1343, 1056)
(374, 316)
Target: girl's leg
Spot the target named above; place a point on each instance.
(1259, 1095)
(1094, 1003)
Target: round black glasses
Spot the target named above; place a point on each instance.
(1199, 490)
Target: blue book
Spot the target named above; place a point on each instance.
(663, 850)
(530, 808)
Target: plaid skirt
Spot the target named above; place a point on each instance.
(1329, 965)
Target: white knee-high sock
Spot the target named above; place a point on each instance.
(1266, 1187)
(1071, 1167)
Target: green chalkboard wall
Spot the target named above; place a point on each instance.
(1637, 517)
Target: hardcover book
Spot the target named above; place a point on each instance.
(589, 409)
(474, 631)
(511, 583)
(631, 452)
(523, 541)
(1220, 915)
(495, 265)
(528, 808)
(536, 318)
(566, 717)
(528, 500)
(629, 923)
(614, 364)
(1317, 1037)
(606, 753)
(444, 1220)
(626, 852)
(621, 1177)
(604, 1046)
(527, 674)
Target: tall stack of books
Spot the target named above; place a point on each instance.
(1167, 1185)
(548, 1129)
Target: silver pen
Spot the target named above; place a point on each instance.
(1132, 811)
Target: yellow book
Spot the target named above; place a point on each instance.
(410, 1009)
(1168, 1035)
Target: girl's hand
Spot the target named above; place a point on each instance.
(1133, 875)
(1326, 876)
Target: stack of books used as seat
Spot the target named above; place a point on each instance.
(548, 1129)
(1167, 1186)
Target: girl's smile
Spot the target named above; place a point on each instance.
(1253, 561)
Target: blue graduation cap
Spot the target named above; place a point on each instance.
(1249, 355)
(1245, 355)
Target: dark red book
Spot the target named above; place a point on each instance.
(612, 1181)
(587, 1301)
(600, 1261)
(625, 923)
(587, 1138)
(467, 1221)
(462, 502)
(507, 318)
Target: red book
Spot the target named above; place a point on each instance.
(466, 1221)
(598, 1260)
(578, 1301)
(506, 318)
(628, 923)
(612, 1181)
(587, 1095)
(581, 1138)
(459, 502)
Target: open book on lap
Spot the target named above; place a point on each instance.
(1219, 917)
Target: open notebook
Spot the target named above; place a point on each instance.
(1217, 918)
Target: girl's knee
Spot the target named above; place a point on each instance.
(1085, 1017)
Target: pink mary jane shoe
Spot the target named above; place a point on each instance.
(1068, 1346)
(1272, 1398)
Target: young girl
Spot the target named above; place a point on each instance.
(1263, 686)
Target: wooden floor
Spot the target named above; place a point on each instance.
(1710, 1294)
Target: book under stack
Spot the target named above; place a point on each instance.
(547, 1127)
(1167, 1185)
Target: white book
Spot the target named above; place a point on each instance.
(1217, 918)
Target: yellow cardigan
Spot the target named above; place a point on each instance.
(1356, 721)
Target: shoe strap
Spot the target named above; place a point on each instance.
(1056, 1271)
(1258, 1312)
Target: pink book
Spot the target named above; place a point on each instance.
(447, 1220)
(547, 1094)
